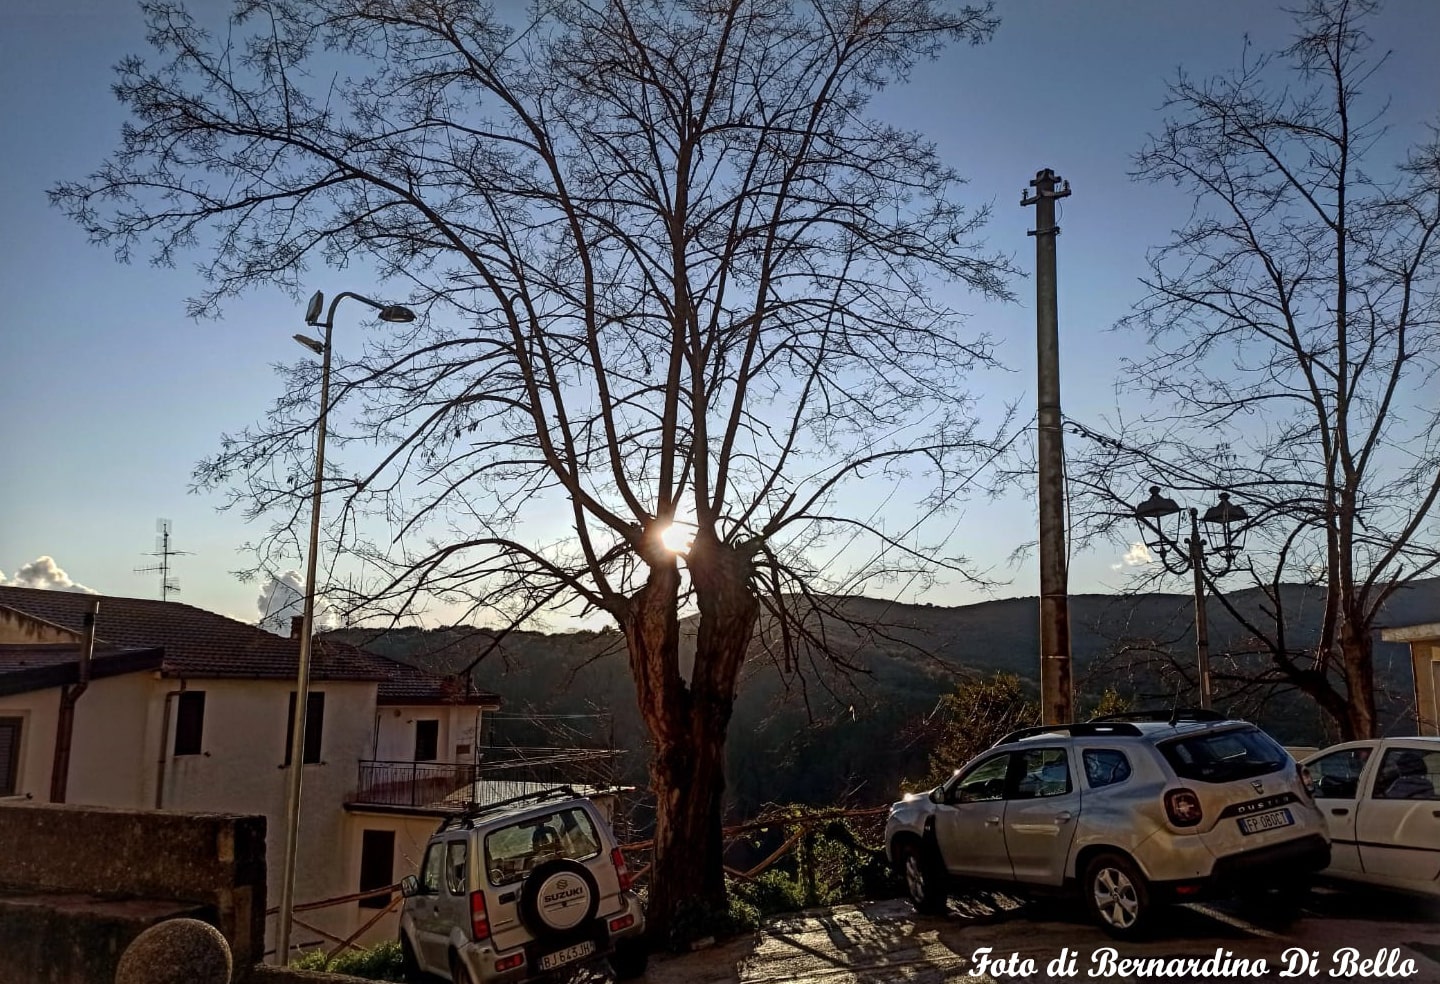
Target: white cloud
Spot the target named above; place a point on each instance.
(283, 598)
(1138, 555)
(43, 572)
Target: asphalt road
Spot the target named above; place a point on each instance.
(885, 942)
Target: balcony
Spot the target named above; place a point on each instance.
(499, 773)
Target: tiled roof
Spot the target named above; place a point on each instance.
(203, 644)
(412, 685)
(27, 668)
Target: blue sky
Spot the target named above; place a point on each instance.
(109, 394)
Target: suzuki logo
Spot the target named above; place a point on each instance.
(1259, 786)
(563, 883)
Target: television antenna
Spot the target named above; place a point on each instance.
(164, 551)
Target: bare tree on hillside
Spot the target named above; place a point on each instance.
(1293, 323)
(668, 271)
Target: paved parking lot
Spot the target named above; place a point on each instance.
(884, 941)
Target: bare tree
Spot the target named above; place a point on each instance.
(668, 270)
(1293, 329)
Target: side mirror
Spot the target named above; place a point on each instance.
(409, 886)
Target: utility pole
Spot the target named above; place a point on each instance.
(1056, 693)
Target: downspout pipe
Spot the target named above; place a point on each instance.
(69, 696)
(164, 746)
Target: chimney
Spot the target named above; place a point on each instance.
(65, 720)
(297, 626)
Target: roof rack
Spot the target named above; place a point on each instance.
(1171, 716)
(473, 811)
(1077, 729)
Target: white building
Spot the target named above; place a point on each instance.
(188, 710)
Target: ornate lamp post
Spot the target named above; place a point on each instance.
(1192, 555)
(395, 314)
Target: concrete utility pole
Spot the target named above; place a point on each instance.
(1056, 695)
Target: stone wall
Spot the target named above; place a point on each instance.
(78, 883)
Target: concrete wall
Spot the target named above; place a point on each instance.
(459, 727)
(56, 856)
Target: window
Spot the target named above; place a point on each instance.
(9, 755)
(511, 852)
(1408, 773)
(431, 868)
(189, 722)
(314, 727)
(984, 782)
(456, 853)
(1105, 766)
(377, 866)
(1337, 775)
(427, 740)
(1043, 772)
(1225, 756)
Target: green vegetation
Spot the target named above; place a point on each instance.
(380, 962)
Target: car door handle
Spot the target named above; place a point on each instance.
(1340, 811)
(1063, 817)
(991, 821)
(1435, 813)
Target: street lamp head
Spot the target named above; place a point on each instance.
(1225, 512)
(1157, 506)
(1232, 522)
(312, 310)
(313, 344)
(397, 314)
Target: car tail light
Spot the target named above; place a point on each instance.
(509, 963)
(622, 871)
(621, 922)
(479, 919)
(1302, 776)
(1183, 808)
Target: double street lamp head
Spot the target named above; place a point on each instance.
(1229, 517)
(395, 314)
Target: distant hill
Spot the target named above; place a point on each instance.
(817, 735)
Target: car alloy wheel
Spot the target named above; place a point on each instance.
(922, 882)
(1117, 895)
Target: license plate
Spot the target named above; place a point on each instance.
(1265, 821)
(568, 955)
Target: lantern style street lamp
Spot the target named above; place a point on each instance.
(395, 314)
(1192, 555)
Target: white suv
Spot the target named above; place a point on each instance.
(1129, 811)
(517, 890)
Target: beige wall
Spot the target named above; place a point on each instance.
(22, 630)
(37, 713)
(411, 835)
(395, 731)
(1425, 661)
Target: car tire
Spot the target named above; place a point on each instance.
(459, 973)
(629, 960)
(925, 880)
(1117, 896)
(409, 966)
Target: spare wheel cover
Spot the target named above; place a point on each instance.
(558, 897)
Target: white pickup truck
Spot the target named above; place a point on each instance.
(1381, 802)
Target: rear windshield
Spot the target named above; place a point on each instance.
(510, 852)
(1225, 756)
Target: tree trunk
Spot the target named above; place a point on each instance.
(1358, 657)
(687, 725)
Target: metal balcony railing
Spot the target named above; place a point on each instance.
(500, 772)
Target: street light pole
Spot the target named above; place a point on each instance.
(388, 312)
(1202, 620)
(1190, 555)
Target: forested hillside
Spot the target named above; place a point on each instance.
(819, 734)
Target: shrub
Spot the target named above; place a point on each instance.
(380, 962)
